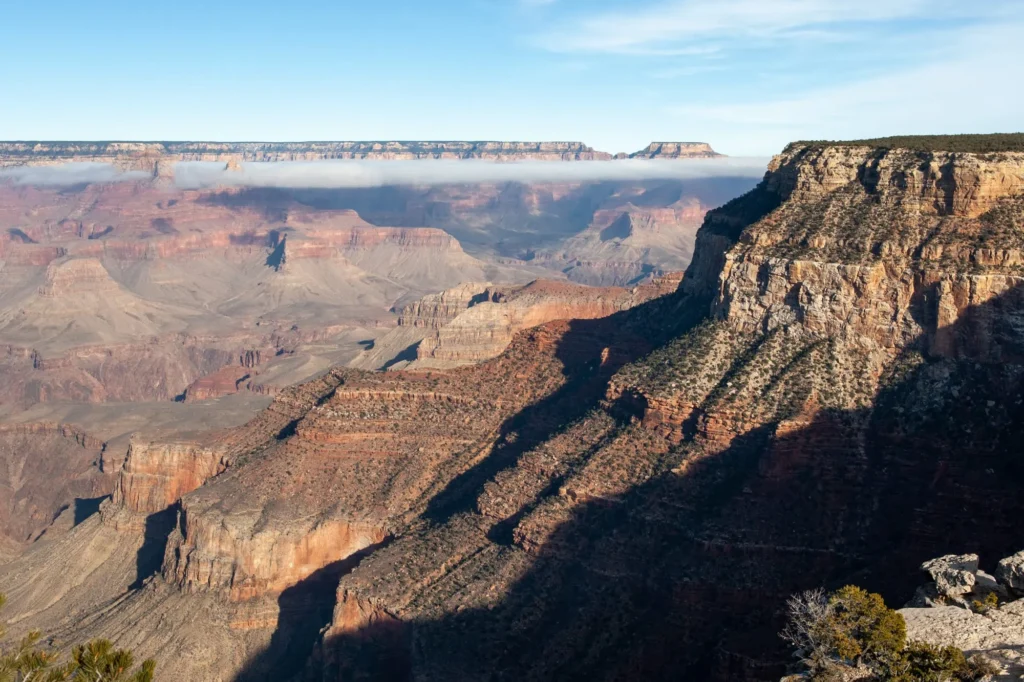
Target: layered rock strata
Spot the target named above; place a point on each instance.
(676, 150)
(159, 157)
(485, 329)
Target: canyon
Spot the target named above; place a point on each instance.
(134, 290)
(831, 394)
(132, 308)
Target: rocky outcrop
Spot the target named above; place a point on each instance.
(955, 575)
(1010, 573)
(156, 475)
(990, 622)
(437, 310)
(487, 327)
(67, 277)
(45, 467)
(225, 381)
(676, 150)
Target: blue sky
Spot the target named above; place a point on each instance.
(745, 75)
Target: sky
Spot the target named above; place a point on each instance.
(747, 76)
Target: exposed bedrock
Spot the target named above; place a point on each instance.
(487, 326)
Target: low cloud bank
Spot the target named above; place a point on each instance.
(328, 174)
(67, 174)
(361, 173)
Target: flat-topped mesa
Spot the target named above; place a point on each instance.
(936, 183)
(159, 158)
(194, 226)
(676, 150)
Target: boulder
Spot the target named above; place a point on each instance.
(1010, 573)
(954, 574)
(986, 583)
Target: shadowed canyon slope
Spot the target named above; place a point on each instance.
(833, 394)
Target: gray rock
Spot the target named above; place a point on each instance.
(1010, 573)
(987, 583)
(998, 634)
(925, 597)
(954, 574)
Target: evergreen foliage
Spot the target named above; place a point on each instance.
(974, 144)
(97, 661)
(854, 629)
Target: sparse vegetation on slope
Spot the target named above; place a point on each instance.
(973, 144)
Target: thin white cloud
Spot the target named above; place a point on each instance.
(333, 174)
(671, 26)
(966, 92)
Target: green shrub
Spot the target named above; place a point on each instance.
(990, 602)
(97, 661)
(852, 628)
(922, 662)
(866, 630)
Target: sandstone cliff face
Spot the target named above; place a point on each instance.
(485, 329)
(437, 310)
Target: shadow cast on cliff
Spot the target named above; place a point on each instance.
(304, 609)
(150, 556)
(685, 576)
(590, 353)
